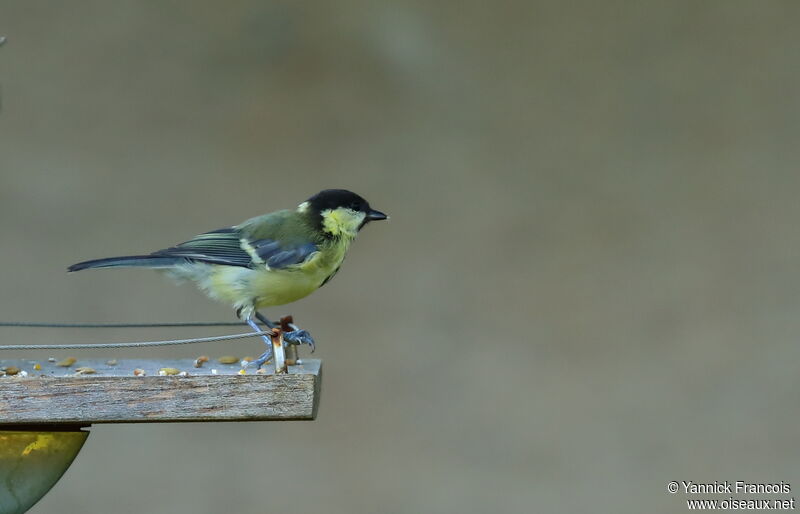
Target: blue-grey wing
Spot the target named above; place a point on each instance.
(228, 246)
(282, 258)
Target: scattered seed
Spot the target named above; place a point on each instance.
(183, 374)
(198, 362)
(261, 371)
(228, 359)
(23, 373)
(243, 372)
(12, 370)
(168, 371)
(112, 362)
(84, 370)
(213, 372)
(69, 361)
(248, 359)
(139, 372)
(51, 359)
(37, 366)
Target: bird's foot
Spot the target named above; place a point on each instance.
(298, 336)
(293, 336)
(260, 361)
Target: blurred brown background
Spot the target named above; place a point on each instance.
(589, 285)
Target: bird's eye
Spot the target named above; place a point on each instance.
(355, 206)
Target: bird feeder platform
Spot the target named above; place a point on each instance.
(44, 406)
(145, 391)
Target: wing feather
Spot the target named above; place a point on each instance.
(230, 247)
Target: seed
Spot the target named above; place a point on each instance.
(112, 362)
(84, 370)
(139, 372)
(228, 359)
(12, 370)
(69, 361)
(37, 366)
(168, 371)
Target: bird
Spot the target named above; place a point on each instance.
(266, 261)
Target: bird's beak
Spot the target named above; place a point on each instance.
(374, 215)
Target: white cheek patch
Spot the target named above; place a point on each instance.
(359, 219)
(303, 207)
(342, 221)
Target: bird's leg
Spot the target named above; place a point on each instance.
(295, 336)
(267, 355)
(263, 319)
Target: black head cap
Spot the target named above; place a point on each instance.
(335, 198)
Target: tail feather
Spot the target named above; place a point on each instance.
(145, 261)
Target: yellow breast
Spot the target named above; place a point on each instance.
(265, 287)
(279, 287)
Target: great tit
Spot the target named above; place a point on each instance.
(269, 260)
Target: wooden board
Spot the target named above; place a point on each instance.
(113, 394)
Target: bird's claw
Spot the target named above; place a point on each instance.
(300, 337)
(260, 361)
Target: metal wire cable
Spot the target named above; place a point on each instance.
(38, 324)
(135, 344)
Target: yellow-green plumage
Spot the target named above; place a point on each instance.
(261, 287)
